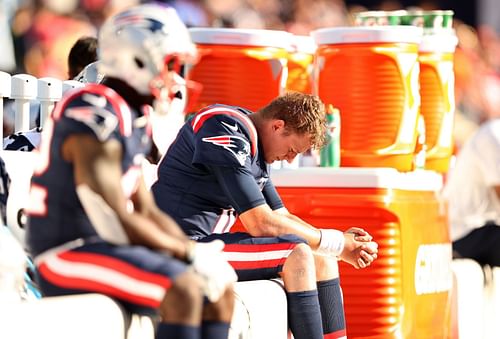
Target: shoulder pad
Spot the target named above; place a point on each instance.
(99, 107)
(231, 121)
(110, 100)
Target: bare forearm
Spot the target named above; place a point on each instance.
(97, 169)
(298, 220)
(167, 224)
(262, 221)
(142, 230)
(294, 225)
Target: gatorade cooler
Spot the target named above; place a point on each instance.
(371, 75)
(429, 20)
(406, 292)
(300, 64)
(379, 18)
(437, 97)
(243, 67)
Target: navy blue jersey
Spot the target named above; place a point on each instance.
(213, 171)
(23, 141)
(56, 215)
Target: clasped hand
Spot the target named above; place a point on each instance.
(359, 248)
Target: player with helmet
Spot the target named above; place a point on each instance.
(93, 225)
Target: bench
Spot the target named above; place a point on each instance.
(260, 306)
(260, 313)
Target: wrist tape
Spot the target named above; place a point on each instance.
(331, 243)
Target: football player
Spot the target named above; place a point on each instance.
(93, 226)
(218, 169)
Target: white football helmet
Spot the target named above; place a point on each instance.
(142, 45)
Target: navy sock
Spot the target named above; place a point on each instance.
(177, 331)
(332, 308)
(214, 330)
(304, 315)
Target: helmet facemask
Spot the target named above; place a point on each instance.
(167, 84)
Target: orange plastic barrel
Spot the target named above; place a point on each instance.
(437, 96)
(300, 64)
(406, 292)
(371, 75)
(243, 67)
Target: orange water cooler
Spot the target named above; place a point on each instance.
(437, 95)
(371, 74)
(406, 292)
(242, 67)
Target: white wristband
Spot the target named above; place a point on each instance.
(331, 243)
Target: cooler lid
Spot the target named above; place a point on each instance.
(357, 177)
(440, 41)
(242, 37)
(367, 34)
(303, 44)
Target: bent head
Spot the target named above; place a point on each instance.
(145, 47)
(291, 124)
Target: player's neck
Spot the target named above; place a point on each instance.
(256, 119)
(133, 98)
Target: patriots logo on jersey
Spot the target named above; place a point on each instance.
(100, 120)
(238, 146)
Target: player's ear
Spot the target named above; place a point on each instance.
(277, 124)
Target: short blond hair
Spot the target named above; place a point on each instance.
(302, 114)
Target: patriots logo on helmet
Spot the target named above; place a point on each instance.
(141, 21)
(238, 146)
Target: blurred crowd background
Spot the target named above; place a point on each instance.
(37, 35)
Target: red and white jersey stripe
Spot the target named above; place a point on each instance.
(101, 273)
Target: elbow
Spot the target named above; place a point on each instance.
(261, 221)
